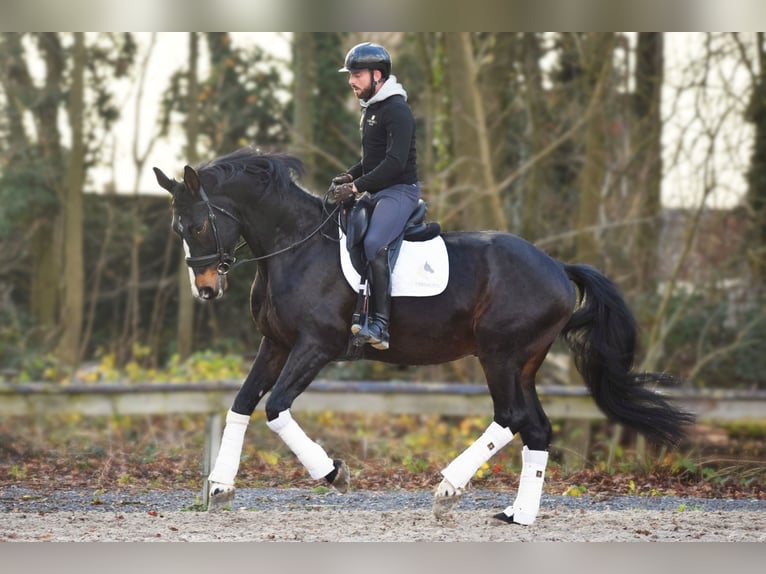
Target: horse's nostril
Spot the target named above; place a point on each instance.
(206, 293)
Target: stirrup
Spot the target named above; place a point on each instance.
(359, 324)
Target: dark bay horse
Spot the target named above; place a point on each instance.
(506, 303)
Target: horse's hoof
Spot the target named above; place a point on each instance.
(446, 497)
(221, 496)
(520, 518)
(503, 517)
(342, 479)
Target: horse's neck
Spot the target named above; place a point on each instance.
(279, 220)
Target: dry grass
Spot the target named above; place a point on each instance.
(384, 452)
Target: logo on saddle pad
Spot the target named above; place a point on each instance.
(421, 270)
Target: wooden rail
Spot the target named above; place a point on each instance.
(214, 399)
(105, 399)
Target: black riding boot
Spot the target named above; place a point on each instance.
(381, 300)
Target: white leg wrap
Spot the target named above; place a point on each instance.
(460, 470)
(227, 461)
(527, 504)
(311, 455)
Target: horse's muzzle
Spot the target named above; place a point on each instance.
(210, 284)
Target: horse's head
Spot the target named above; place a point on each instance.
(209, 231)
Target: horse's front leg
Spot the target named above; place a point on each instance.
(304, 363)
(261, 378)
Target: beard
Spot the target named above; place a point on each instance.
(365, 94)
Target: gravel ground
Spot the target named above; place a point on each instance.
(19, 499)
(291, 514)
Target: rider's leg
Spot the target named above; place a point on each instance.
(393, 206)
(381, 299)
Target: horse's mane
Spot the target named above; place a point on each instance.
(275, 171)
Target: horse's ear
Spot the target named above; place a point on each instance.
(164, 181)
(191, 179)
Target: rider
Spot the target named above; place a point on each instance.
(387, 171)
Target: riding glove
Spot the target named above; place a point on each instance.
(342, 178)
(344, 192)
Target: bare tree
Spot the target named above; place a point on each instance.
(596, 65)
(132, 326)
(34, 154)
(74, 295)
(708, 135)
(185, 329)
(302, 134)
(756, 192)
(534, 100)
(646, 164)
(474, 177)
(49, 170)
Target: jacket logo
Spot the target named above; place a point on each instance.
(372, 121)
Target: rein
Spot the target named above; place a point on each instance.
(226, 261)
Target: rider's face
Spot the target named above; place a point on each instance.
(361, 82)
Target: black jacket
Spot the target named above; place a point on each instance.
(388, 146)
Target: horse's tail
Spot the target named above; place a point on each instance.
(602, 334)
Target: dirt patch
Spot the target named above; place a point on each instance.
(391, 526)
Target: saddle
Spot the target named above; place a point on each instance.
(355, 221)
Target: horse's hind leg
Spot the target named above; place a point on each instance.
(459, 471)
(502, 377)
(524, 412)
(527, 503)
(517, 409)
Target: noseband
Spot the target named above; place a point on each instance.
(224, 260)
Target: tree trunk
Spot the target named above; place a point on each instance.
(756, 176)
(477, 191)
(647, 162)
(597, 68)
(97, 277)
(47, 243)
(132, 327)
(185, 298)
(74, 284)
(44, 295)
(434, 155)
(44, 257)
(160, 305)
(305, 73)
(534, 97)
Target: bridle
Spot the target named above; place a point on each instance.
(227, 261)
(224, 259)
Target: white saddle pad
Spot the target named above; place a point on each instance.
(422, 269)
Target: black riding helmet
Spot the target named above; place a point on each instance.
(368, 56)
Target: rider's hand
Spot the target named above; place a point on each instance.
(342, 178)
(343, 192)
